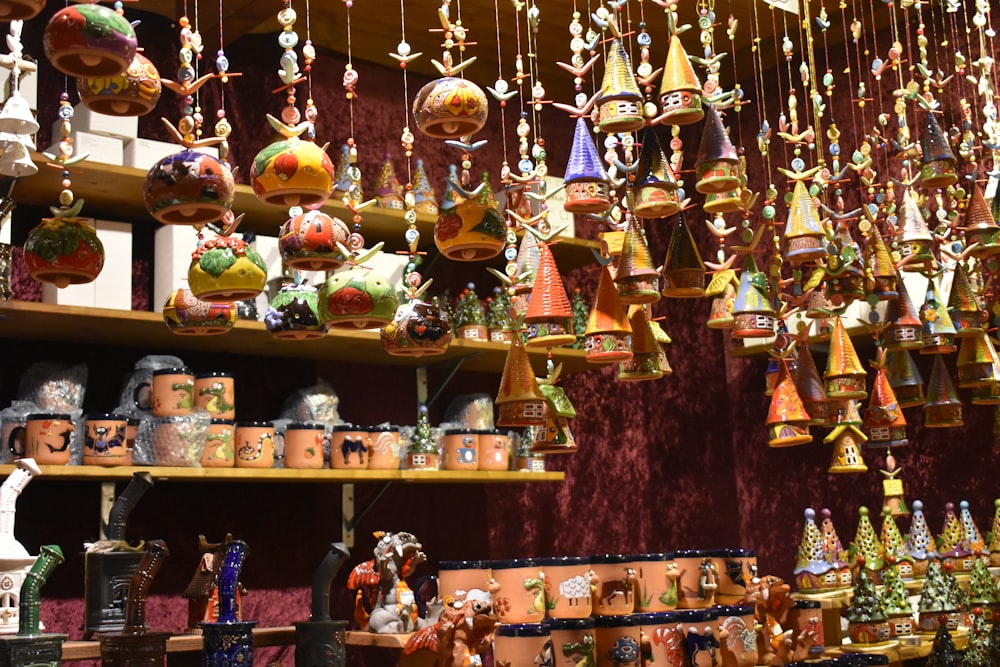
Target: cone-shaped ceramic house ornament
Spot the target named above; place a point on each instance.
(662, 340)
(134, 92)
(520, 401)
(637, 279)
(866, 550)
(619, 105)
(723, 290)
(904, 331)
(555, 437)
(943, 408)
(880, 265)
(787, 419)
(905, 379)
(915, 238)
(423, 192)
(646, 351)
(982, 233)
(680, 90)
(718, 164)
(450, 108)
(810, 387)
(655, 189)
(683, 269)
(974, 541)
(817, 569)
(975, 361)
(845, 376)
(966, 315)
(844, 411)
(884, 424)
(726, 202)
(89, 41)
(468, 229)
(804, 235)
(988, 393)
(937, 162)
(994, 546)
(937, 334)
(291, 171)
(388, 190)
(920, 541)
(753, 313)
(894, 545)
(549, 312)
(587, 184)
(952, 549)
(845, 270)
(608, 337)
(847, 441)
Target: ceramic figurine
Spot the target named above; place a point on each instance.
(388, 190)
(519, 399)
(776, 645)
(845, 376)
(937, 607)
(920, 542)
(228, 641)
(15, 562)
(89, 41)
(358, 297)
(844, 411)
(608, 336)
(202, 592)
(422, 453)
(978, 652)
(425, 201)
(943, 652)
(638, 281)
(883, 273)
(804, 234)
(982, 233)
(905, 379)
(64, 250)
(983, 590)
(321, 641)
(952, 546)
(549, 314)
(189, 188)
(894, 546)
(723, 290)
(450, 108)
(867, 622)
(186, 314)
(308, 241)
(555, 437)
(916, 239)
(134, 92)
(937, 331)
(293, 313)
(470, 316)
(226, 268)
(809, 386)
(467, 229)
(818, 568)
(646, 351)
(21, 10)
(896, 601)
(29, 647)
(418, 329)
(943, 408)
(680, 90)
(753, 314)
(892, 488)
(937, 162)
(655, 188)
(292, 171)
(718, 164)
(619, 104)
(683, 269)
(904, 331)
(866, 551)
(847, 441)
(461, 635)
(884, 422)
(787, 419)
(966, 314)
(587, 183)
(994, 535)
(498, 309)
(975, 361)
(663, 340)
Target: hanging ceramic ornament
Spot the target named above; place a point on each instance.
(982, 234)
(809, 385)
(309, 241)
(357, 297)
(467, 228)
(905, 379)
(847, 440)
(293, 313)
(966, 315)
(636, 278)
(189, 188)
(388, 191)
(753, 314)
(718, 164)
(916, 240)
(20, 10)
(186, 314)
(645, 363)
(64, 249)
(419, 328)
(975, 361)
(519, 400)
(680, 90)
(555, 437)
(450, 108)
(292, 171)
(920, 541)
(619, 105)
(884, 422)
(16, 117)
(815, 571)
(663, 340)
(937, 331)
(226, 268)
(904, 330)
(844, 270)
(587, 184)
(845, 376)
(845, 411)
(425, 200)
(89, 40)
(937, 162)
(549, 313)
(943, 408)
(655, 188)
(787, 419)
(134, 92)
(882, 273)
(608, 338)
(722, 289)
(342, 175)
(683, 268)
(805, 239)
(989, 392)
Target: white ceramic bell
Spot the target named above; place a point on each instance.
(17, 166)
(16, 116)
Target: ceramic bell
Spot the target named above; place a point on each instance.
(519, 400)
(943, 408)
(608, 338)
(787, 419)
(809, 385)
(293, 313)
(883, 273)
(884, 420)
(966, 315)
(186, 314)
(845, 376)
(450, 108)
(15, 160)
(847, 441)
(975, 361)
(388, 191)
(753, 313)
(358, 297)
(636, 278)
(189, 188)
(20, 10)
(646, 351)
(226, 268)
(468, 230)
(308, 241)
(619, 105)
(134, 92)
(683, 269)
(425, 200)
(680, 90)
(64, 251)
(292, 171)
(916, 239)
(937, 162)
(982, 233)
(844, 282)
(937, 331)
(655, 189)
(549, 313)
(17, 119)
(905, 379)
(555, 437)
(904, 331)
(718, 165)
(726, 202)
(587, 183)
(817, 569)
(89, 40)
(419, 329)
(805, 240)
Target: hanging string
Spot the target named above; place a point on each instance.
(350, 74)
(503, 103)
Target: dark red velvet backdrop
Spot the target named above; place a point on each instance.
(678, 463)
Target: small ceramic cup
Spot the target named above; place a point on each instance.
(568, 594)
(617, 640)
(348, 448)
(173, 392)
(304, 445)
(215, 393)
(614, 578)
(494, 450)
(656, 578)
(457, 577)
(740, 647)
(219, 451)
(662, 630)
(106, 440)
(383, 448)
(521, 598)
(571, 638)
(254, 445)
(45, 437)
(521, 644)
(461, 449)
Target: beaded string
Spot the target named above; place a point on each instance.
(411, 278)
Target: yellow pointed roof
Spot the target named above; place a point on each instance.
(975, 349)
(843, 359)
(635, 260)
(618, 81)
(678, 73)
(878, 254)
(607, 315)
(961, 299)
(518, 382)
(803, 216)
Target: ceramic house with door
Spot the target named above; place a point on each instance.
(847, 440)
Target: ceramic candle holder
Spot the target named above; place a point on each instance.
(521, 598)
(461, 449)
(215, 393)
(45, 437)
(219, 451)
(172, 392)
(348, 450)
(457, 577)
(494, 450)
(656, 578)
(304, 445)
(572, 641)
(522, 644)
(383, 448)
(617, 640)
(106, 440)
(254, 445)
(568, 594)
(614, 585)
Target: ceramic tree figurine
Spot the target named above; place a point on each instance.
(867, 552)
(943, 652)
(919, 541)
(422, 454)
(951, 544)
(319, 642)
(894, 545)
(896, 599)
(936, 600)
(994, 535)
(983, 590)
(867, 622)
(498, 322)
(978, 652)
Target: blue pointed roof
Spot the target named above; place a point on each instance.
(584, 163)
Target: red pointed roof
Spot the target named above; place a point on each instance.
(518, 382)
(548, 294)
(786, 405)
(607, 315)
(883, 408)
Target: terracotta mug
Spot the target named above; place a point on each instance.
(736, 636)
(617, 640)
(568, 594)
(457, 577)
(522, 644)
(656, 578)
(173, 392)
(734, 567)
(45, 437)
(570, 637)
(461, 449)
(106, 440)
(700, 628)
(699, 579)
(304, 445)
(219, 450)
(254, 445)
(521, 598)
(383, 448)
(614, 585)
(215, 393)
(131, 430)
(348, 448)
(494, 450)
(662, 630)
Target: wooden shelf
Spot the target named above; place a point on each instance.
(116, 193)
(115, 473)
(139, 329)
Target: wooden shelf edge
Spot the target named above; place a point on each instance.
(91, 650)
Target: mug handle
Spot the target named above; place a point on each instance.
(279, 446)
(12, 441)
(144, 405)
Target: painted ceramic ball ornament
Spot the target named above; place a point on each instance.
(189, 188)
(450, 108)
(294, 313)
(226, 268)
(308, 241)
(469, 231)
(133, 92)
(419, 329)
(89, 40)
(292, 171)
(14, 10)
(64, 250)
(186, 314)
(358, 297)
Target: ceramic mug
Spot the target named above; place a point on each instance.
(304, 445)
(461, 449)
(736, 623)
(700, 628)
(568, 595)
(457, 577)
(383, 448)
(254, 445)
(521, 598)
(571, 638)
(662, 631)
(494, 450)
(215, 393)
(45, 437)
(522, 644)
(172, 392)
(698, 581)
(656, 577)
(106, 440)
(348, 448)
(734, 567)
(617, 640)
(614, 585)
(219, 446)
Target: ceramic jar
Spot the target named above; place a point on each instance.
(105, 440)
(494, 450)
(522, 644)
(617, 641)
(347, 447)
(656, 578)
(186, 314)
(254, 444)
(461, 449)
(189, 188)
(521, 598)
(45, 437)
(308, 241)
(219, 451)
(700, 629)
(383, 448)
(736, 636)
(614, 585)
(134, 92)
(172, 392)
(89, 40)
(226, 268)
(294, 313)
(457, 577)
(64, 251)
(698, 580)
(568, 593)
(734, 567)
(304, 445)
(572, 641)
(215, 393)
(808, 615)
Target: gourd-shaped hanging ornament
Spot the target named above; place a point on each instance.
(587, 183)
(358, 297)
(134, 92)
(419, 328)
(292, 171)
(226, 268)
(185, 314)
(293, 313)
(309, 241)
(88, 40)
(468, 229)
